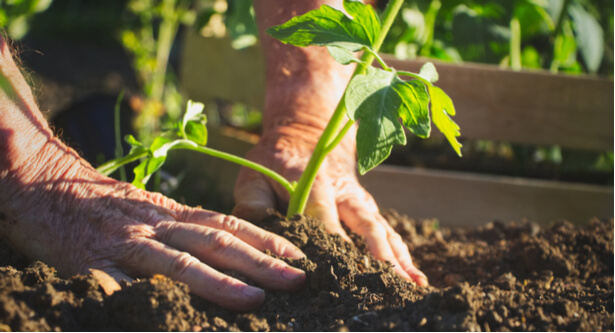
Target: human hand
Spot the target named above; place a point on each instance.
(56, 208)
(69, 216)
(336, 195)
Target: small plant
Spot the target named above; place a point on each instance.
(377, 97)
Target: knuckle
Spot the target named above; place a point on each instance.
(219, 240)
(134, 231)
(230, 224)
(369, 227)
(163, 230)
(180, 264)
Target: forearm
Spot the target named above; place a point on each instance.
(23, 129)
(304, 85)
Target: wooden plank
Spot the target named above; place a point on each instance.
(461, 199)
(530, 107)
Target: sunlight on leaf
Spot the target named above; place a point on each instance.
(327, 26)
(441, 111)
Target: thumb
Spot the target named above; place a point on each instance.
(254, 196)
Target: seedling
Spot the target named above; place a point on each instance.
(377, 97)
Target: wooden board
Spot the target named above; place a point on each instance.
(455, 198)
(462, 199)
(531, 107)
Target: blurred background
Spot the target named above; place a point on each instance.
(104, 69)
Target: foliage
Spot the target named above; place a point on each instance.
(377, 97)
(15, 15)
(560, 35)
(149, 34)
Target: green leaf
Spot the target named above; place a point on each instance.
(135, 145)
(378, 99)
(441, 111)
(342, 55)
(158, 154)
(429, 72)
(193, 123)
(414, 110)
(589, 37)
(328, 26)
(193, 112)
(197, 132)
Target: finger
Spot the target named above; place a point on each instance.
(321, 205)
(149, 257)
(247, 232)
(224, 251)
(362, 217)
(401, 252)
(254, 197)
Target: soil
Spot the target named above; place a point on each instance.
(512, 277)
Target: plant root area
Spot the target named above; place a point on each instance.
(498, 277)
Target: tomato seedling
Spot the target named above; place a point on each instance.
(377, 98)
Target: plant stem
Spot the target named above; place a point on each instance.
(559, 27)
(290, 187)
(112, 165)
(108, 168)
(430, 23)
(118, 135)
(515, 44)
(331, 135)
(166, 33)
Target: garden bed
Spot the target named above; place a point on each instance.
(516, 276)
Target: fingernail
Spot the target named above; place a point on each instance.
(252, 291)
(421, 280)
(293, 253)
(293, 274)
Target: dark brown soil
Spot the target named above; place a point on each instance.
(513, 277)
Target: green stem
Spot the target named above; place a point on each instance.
(339, 136)
(430, 24)
(515, 44)
(559, 27)
(560, 18)
(110, 166)
(378, 58)
(166, 34)
(416, 76)
(330, 136)
(119, 152)
(290, 187)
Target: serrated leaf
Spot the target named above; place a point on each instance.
(135, 145)
(329, 26)
(145, 169)
(197, 132)
(414, 110)
(342, 55)
(366, 17)
(441, 111)
(371, 99)
(429, 72)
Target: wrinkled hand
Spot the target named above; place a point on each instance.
(77, 219)
(74, 219)
(56, 208)
(336, 195)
